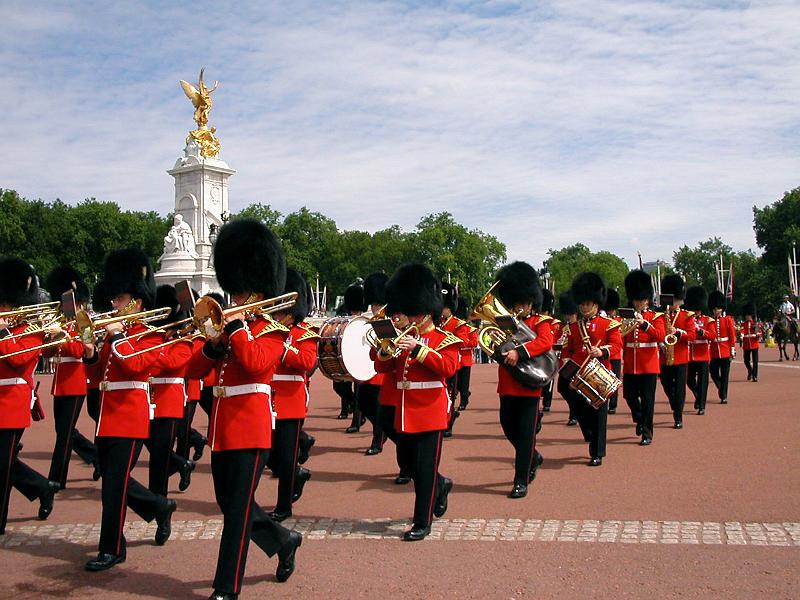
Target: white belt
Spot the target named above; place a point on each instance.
(288, 378)
(66, 359)
(225, 391)
(167, 380)
(750, 335)
(642, 345)
(699, 341)
(419, 385)
(13, 381)
(718, 340)
(110, 386)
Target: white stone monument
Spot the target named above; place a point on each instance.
(201, 201)
(201, 204)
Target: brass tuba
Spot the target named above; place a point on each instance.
(503, 333)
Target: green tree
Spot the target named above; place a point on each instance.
(697, 265)
(564, 264)
(777, 228)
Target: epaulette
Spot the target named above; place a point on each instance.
(449, 339)
(613, 323)
(271, 327)
(544, 318)
(309, 333)
(657, 314)
(689, 313)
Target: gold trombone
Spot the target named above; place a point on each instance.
(31, 311)
(88, 325)
(209, 319)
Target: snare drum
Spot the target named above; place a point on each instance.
(343, 349)
(595, 382)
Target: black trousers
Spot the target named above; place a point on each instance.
(236, 475)
(283, 459)
(463, 385)
(344, 389)
(366, 404)
(518, 416)
(616, 367)
(15, 473)
(673, 380)
(84, 448)
(592, 421)
(720, 370)
(423, 451)
(386, 414)
(697, 381)
(563, 388)
(185, 435)
(119, 491)
(66, 410)
(751, 362)
(163, 461)
(93, 403)
(640, 394)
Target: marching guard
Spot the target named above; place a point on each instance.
(751, 337)
(723, 346)
(611, 307)
(18, 288)
(642, 336)
(519, 290)
(124, 420)
(569, 310)
(463, 331)
(699, 347)
(591, 336)
(426, 357)
(680, 332)
(246, 355)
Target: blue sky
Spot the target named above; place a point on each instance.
(625, 125)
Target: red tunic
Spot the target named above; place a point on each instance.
(389, 395)
(241, 417)
(168, 380)
(641, 346)
(423, 403)
(686, 330)
(124, 398)
(16, 377)
(69, 378)
(705, 332)
(289, 388)
(506, 384)
(466, 333)
(603, 332)
(724, 342)
(751, 335)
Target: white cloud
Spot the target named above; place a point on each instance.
(623, 125)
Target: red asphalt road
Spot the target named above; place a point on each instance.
(736, 463)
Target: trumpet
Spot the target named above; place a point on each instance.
(629, 325)
(209, 316)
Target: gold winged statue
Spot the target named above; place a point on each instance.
(201, 100)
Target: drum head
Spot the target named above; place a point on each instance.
(355, 350)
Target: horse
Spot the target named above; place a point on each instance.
(785, 331)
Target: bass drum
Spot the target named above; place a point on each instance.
(343, 349)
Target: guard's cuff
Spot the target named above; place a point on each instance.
(234, 326)
(522, 351)
(419, 352)
(116, 337)
(213, 351)
(4, 333)
(606, 353)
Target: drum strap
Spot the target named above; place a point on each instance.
(587, 343)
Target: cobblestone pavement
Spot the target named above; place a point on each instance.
(511, 530)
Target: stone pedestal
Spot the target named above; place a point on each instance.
(201, 198)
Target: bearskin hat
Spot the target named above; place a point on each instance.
(749, 309)
(248, 257)
(612, 300)
(548, 301)
(295, 282)
(589, 287)
(414, 290)
(375, 289)
(101, 301)
(18, 285)
(461, 310)
(354, 299)
(128, 271)
(167, 297)
(566, 304)
(696, 299)
(449, 296)
(66, 279)
(518, 283)
(638, 286)
(716, 299)
(674, 285)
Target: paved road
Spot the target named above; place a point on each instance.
(705, 512)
